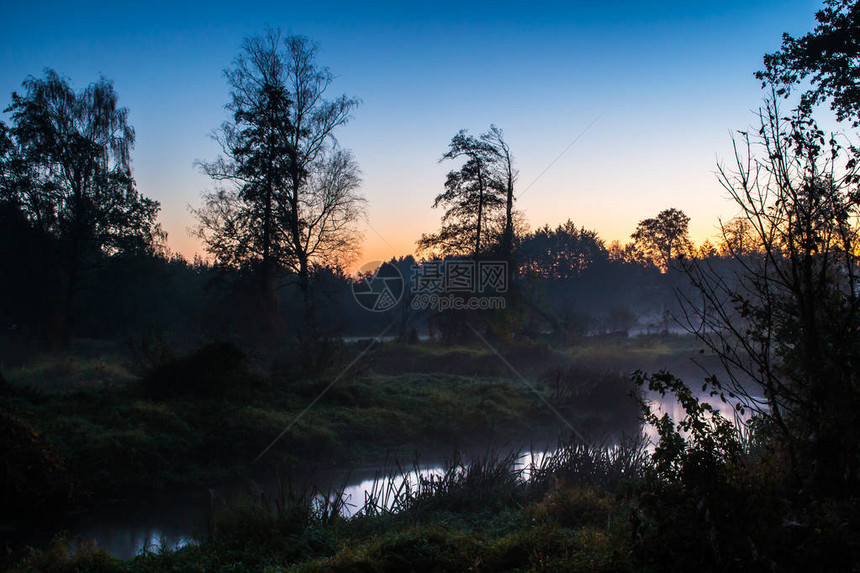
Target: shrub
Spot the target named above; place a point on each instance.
(59, 557)
(33, 476)
(705, 504)
(217, 370)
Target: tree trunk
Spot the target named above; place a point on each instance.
(68, 323)
(508, 237)
(480, 214)
(307, 336)
(267, 299)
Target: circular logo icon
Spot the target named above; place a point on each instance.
(378, 286)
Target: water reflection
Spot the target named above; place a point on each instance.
(124, 527)
(669, 405)
(171, 521)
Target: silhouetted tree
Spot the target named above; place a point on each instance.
(561, 253)
(322, 205)
(737, 238)
(473, 194)
(503, 178)
(295, 200)
(707, 250)
(239, 225)
(663, 238)
(6, 147)
(788, 329)
(625, 253)
(828, 57)
(68, 174)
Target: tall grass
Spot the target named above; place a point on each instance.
(488, 482)
(508, 508)
(508, 511)
(577, 463)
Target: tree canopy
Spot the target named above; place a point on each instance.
(561, 253)
(288, 199)
(65, 176)
(662, 238)
(478, 198)
(828, 57)
(68, 167)
(240, 225)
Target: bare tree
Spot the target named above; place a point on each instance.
(293, 203)
(787, 326)
(321, 207)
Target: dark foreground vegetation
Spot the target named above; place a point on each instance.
(713, 498)
(93, 428)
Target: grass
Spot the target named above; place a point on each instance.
(482, 515)
(705, 501)
(527, 357)
(634, 350)
(197, 419)
(65, 556)
(67, 372)
(112, 430)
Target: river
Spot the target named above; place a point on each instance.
(174, 519)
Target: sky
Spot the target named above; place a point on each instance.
(614, 110)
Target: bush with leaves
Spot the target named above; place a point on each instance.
(706, 503)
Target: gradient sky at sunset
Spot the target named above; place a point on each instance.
(666, 81)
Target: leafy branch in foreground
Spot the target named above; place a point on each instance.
(786, 325)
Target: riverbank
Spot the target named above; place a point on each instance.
(709, 496)
(96, 429)
(563, 513)
(580, 509)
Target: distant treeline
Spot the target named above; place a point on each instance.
(566, 283)
(84, 255)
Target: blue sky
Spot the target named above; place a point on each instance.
(671, 80)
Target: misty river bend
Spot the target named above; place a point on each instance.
(171, 520)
